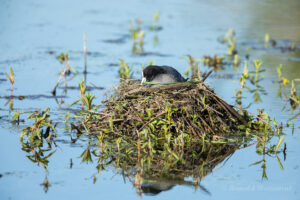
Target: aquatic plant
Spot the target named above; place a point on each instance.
(236, 60)
(193, 71)
(16, 117)
(87, 100)
(267, 40)
(33, 137)
(294, 99)
(285, 81)
(243, 78)
(66, 70)
(228, 36)
(82, 87)
(67, 116)
(216, 62)
(137, 36)
(255, 77)
(257, 65)
(11, 78)
(124, 71)
(41, 121)
(230, 41)
(138, 39)
(63, 57)
(264, 147)
(232, 48)
(137, 26)
(86, 156)
(155, 26)
(10, 102)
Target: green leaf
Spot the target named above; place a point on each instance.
(32, 115)
(67, 116)
(49, 125)
(279, 162)
(74, 102)
(50, 154)
(15, 117)
(279, 71)
(73, 70)
(256, 163)
(111, 124)
(37, 133)
(86, 156)
(8, 77)
(23, 134)
(279, 143)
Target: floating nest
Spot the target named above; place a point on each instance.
(167, 132)
(190, 108)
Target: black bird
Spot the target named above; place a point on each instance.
(161, 74)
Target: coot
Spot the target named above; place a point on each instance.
(161, 74)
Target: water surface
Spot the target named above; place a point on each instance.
(33, 33)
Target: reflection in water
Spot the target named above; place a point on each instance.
(154, 175)
(156, 180)
(10, 102)
(155, 41)
(39, 152)
(46, 184)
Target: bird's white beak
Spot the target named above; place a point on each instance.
(143, 80)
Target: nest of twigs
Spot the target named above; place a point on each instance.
(190, 108)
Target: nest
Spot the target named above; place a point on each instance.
(190, 108)
(167, 131)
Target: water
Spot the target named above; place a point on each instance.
(33, 33)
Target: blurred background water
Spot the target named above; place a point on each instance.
(33, 33)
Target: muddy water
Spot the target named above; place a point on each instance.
(33, 33)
